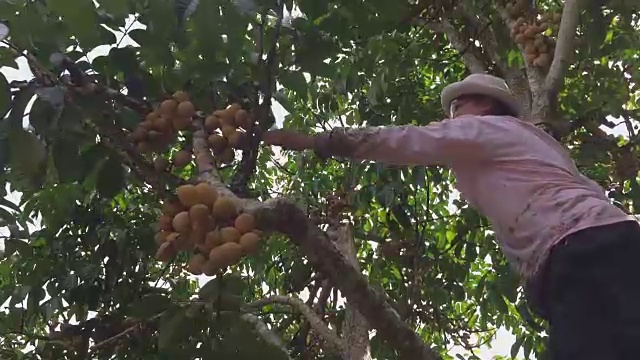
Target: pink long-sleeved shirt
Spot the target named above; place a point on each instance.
(515, 174)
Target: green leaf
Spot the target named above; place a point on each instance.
(27, 152)
(295, 81)
(110, 179)
(172, 328)
(67, 160)
(81, 17)
(118, 8)
(15, 245)
(5, 95)
(149, 305)
(8, 58)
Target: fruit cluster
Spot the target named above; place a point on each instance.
(207, 224)
(531, 32)
(227, 130)
(530, 36)
(160, 127)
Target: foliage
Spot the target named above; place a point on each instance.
(85, 281)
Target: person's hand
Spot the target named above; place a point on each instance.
(287, 139)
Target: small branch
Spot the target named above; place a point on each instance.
(332, 339)
(122, 334)
(464, 47)
(565, 45)
(239, 183)
(115, 139)
(266, 334)
(485, 35)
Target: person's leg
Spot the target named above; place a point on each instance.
(627, 287)
(591, 308)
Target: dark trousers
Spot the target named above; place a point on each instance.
(591, 294)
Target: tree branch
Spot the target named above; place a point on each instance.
(485, 35)
(332, 339)
(565, 45)
(263, 111)
(463, 46)
(285, 217)
(266, 334)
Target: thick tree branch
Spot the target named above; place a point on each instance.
(205, 162)
(565, 45)
(285, 217)
(331, 338)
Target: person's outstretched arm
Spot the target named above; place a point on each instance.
(445, 142)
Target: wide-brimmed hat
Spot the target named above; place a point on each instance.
(480, 84)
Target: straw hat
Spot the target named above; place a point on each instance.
(480, 84)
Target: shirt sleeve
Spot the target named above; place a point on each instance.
(440, 143)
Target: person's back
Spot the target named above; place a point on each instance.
(531, 191)
(576, 252)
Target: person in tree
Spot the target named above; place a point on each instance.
(574, 250)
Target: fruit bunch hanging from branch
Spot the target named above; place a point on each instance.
(197, 219)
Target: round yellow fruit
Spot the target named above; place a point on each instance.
(245, 223)
(186, 109)
(161, 164)
(213, 239)
(242, 119)
(211, 123)
(224, 209)
(230, 234)
(196, 264)
(188, 195)
(152, 116)
(235, 139)
(228, 130)
(182, 158)
(181, 222)
(206, 193)
(227, 155)
(168, 108)
(199, 213)
(139, 134)
(198, 234)
(224, 255)
(250, 242)
(181, 123)
(216, 142)
(180, 96)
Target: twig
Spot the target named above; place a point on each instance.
(124, 333)
(239, 183)
(565, 45)
(472, 61)
(126, 30)
(314, 320)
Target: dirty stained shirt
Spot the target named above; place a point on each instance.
(515, 174)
